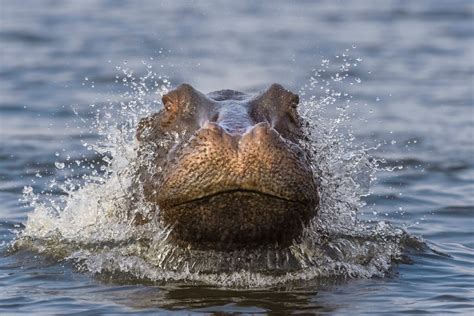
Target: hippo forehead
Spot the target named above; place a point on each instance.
(227, 94)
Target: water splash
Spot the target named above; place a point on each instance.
(91, 224)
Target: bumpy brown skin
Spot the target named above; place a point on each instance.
(226, 169)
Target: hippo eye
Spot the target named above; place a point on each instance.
(168, 104)
(293, 110)
(294, 117)
(294, 101)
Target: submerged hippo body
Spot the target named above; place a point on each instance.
(226, 169)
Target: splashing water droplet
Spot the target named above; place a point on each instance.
(103, 197)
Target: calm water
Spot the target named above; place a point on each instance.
(415, 98)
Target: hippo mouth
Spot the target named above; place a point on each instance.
(236, 218)
(238, 191)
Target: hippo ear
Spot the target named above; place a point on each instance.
(276, 95)
(183, 99)
(181, 107)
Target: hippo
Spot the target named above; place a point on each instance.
(227, 170)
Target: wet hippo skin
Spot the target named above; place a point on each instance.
(227, 170)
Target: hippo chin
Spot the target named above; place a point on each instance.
(226, 169)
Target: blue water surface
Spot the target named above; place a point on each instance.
(416, 98)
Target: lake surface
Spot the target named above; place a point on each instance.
(409, 82)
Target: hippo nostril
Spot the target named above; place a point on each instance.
(261, 129)
(214, 127)
(214, 117)
(262, 125)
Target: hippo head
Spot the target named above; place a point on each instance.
(226, 169)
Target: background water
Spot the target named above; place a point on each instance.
(416, 98)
